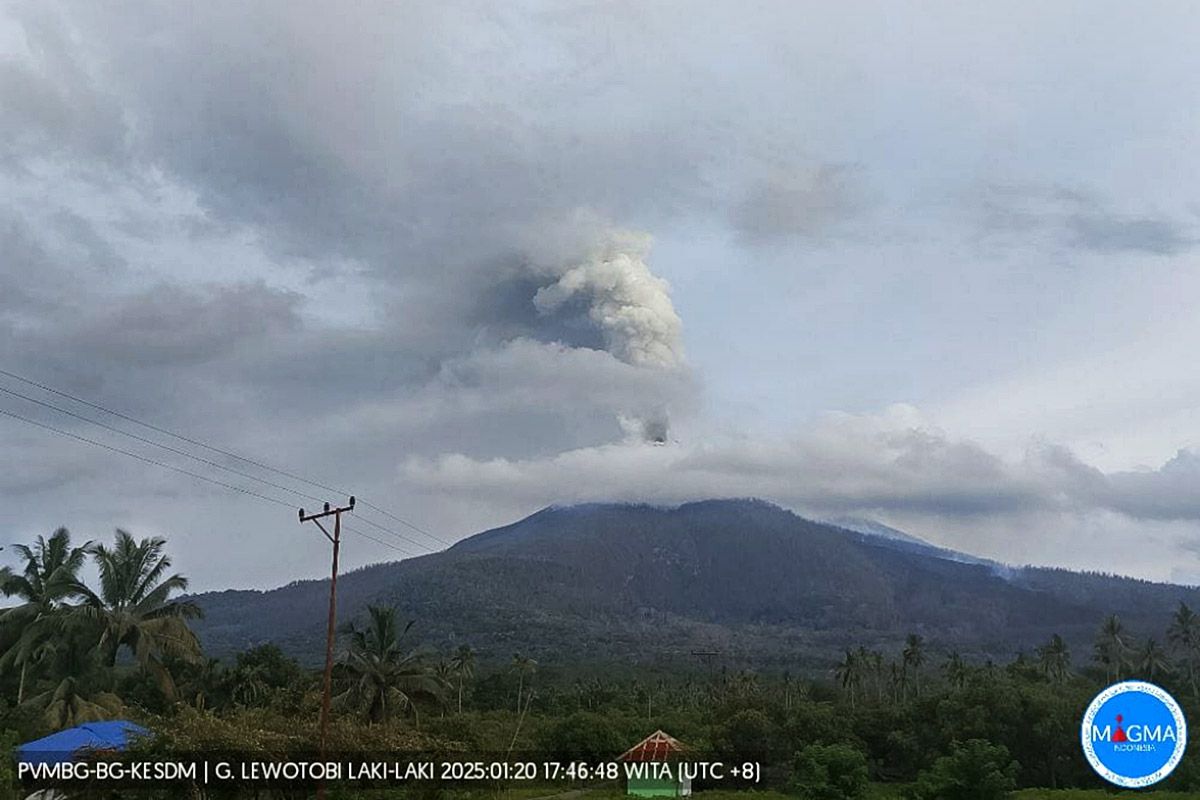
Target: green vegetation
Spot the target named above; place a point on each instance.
(830, 772)
(915, 723)
(975, 770)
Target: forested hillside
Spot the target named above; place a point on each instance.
(640, 584)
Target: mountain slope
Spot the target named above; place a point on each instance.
(758, 583)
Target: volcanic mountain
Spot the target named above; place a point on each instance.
(612, 583)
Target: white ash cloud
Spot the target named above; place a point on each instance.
(629, 304)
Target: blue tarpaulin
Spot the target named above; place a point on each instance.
(74, 742)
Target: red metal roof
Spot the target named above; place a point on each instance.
(658, 746)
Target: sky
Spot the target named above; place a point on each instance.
(934, 266)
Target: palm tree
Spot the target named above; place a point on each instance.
(443, 673)
(49, 577)
(383, 677)
(245, 686)
(1112, 648)
(1152, 660)
(899, 680)
(1184, 638)
(464, 668)
(873, 660)
(914, 659)
(76, 697)
(956, 670)
(522, 665)
(849, 674)
(133, 607)
(1054, 659)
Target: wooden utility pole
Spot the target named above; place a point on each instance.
(336, 539)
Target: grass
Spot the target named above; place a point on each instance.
(1097, 794)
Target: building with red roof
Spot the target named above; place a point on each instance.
(657, 748)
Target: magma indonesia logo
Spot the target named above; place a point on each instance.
(1134, 734)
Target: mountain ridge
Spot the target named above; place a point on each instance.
(642, 582)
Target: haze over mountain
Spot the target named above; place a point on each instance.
(634, 583)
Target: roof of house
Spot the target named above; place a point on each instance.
(658, 746)
(72, 742)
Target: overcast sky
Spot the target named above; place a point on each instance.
(933, 264)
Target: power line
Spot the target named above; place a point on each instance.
(194, 457)
(201, 460)
(406, 523)
(166, 432)
(153, 443)
(227, 453)
(173, 468)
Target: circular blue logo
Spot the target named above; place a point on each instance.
(1134, 734)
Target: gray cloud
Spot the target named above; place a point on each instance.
(167, 325)
(848, 463)
(886, 467)
(1109, 232)
(1079, 220)
(808, 204)
(346, 238)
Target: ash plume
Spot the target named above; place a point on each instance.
(630, 307)
(629, 304)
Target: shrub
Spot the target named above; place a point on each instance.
(745, 736)
(582, 735)
(975, 770)
(8, 776)
(830, 772)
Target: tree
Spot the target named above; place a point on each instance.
(899, 681)
(49, 577)
(260, 673)
(849, 674)
(956, 670)
(1183, 637)
(76, 696)
(830, 772)
(914, 658)
(463, 661)
(582, 736)
(383, 677)
(745, 736)
(873, 661)
(443, 673)
(974, 770)
(1054, 659)
(1152, 660)
(524, 666)
(133, 608)
(1111, 647)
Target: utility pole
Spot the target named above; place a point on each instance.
(336, 539)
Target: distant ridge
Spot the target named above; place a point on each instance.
(874, 528)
